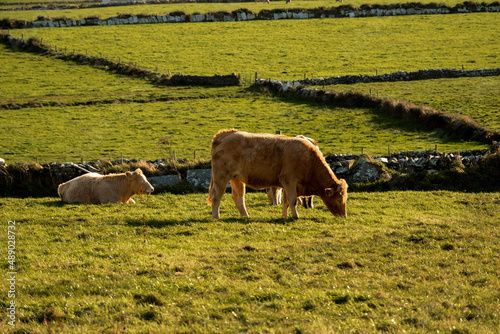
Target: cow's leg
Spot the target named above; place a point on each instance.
(290, 200)
(216, 191)
(238, 193)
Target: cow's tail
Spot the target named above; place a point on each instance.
(209, 199)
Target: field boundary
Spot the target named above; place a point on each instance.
(457, 125)
(35, 180)
(343, 11)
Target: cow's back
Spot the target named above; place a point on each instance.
(259, 160)
(79, 189)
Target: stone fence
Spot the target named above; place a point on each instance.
(455, 124)
(247, 15)
(24, 180)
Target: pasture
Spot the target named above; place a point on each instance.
(285, 50)
(402, 261)
(414, 262)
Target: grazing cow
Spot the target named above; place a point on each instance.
(93, 188)
(262, 161)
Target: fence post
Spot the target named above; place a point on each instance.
(194, 155)
(255, 76)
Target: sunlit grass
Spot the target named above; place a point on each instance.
(475, 97)
(290, 49)
(418, 262)
(133, 129)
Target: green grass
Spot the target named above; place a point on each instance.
(290, 49)
(402, 261)
(106, 131)
(29, 77)
(188, 8)
(475, 97)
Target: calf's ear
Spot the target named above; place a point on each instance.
(138, 171)
(128, 174)
(329, 192)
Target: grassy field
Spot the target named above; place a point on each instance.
(188, 8)
(415, 262)
(105, 131)
(290, 49)
(402, 261)
(475, 97)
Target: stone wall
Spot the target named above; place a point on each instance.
(42, 180)
(349, 11)
(454, 124)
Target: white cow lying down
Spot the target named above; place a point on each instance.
(95, 188)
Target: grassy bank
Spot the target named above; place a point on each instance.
(401, 261)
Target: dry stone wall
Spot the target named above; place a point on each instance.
(348, 11)
(43, 180)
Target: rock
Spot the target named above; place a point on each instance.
(164, 180)
(199, 177)
(2, 162)
(383, 160)
(365, 171)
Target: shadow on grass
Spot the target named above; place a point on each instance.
(53, 203)
(158, 223)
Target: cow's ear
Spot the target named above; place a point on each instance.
(128, 174)
(342, 186)
(138, 171)
(329, 192)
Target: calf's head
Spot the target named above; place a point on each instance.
(335, 198)
(138, 182)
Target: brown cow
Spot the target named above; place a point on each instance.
(264, 160)
(93, 188)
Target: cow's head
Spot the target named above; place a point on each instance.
(335, 199)
(139, 183)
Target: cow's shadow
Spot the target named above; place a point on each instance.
(160, 223)
(54, 203)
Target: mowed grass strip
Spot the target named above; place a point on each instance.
(106, 131)
(478, 98)
(188, 8)
(290, 49)
(401, 261)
